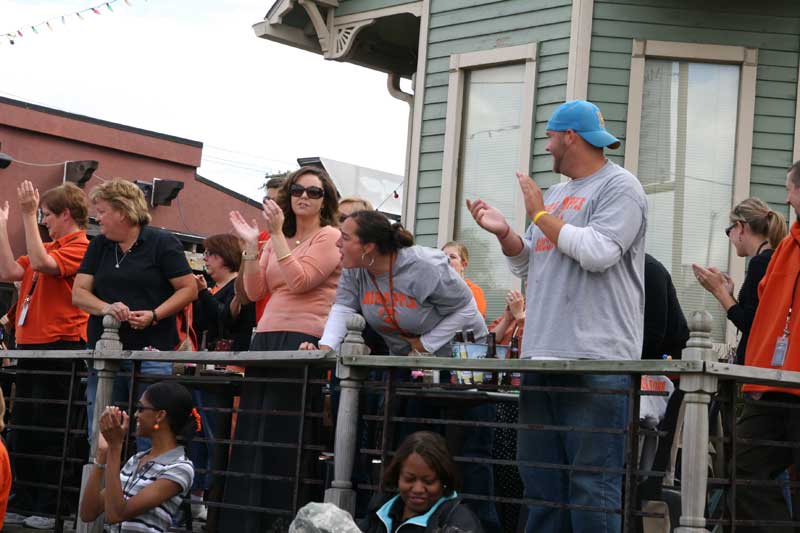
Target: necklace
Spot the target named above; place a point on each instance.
(117, 260)
(297, 241)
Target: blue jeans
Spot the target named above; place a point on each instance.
(580, 410)
(121, 390)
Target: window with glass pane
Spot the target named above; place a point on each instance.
(686, 165)
(489, 157)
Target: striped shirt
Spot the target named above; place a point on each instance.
(172, 465)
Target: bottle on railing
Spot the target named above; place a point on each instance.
(476, 375)
(470, 335)
(455, 347)
(464, 376)
(490, 377)
(513, 353)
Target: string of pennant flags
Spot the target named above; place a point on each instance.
(52, 23)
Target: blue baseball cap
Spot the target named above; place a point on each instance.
(585, 119)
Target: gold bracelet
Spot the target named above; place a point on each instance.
(539, 215)
(288, 254)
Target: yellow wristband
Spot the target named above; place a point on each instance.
(539, 215)
(289, 254)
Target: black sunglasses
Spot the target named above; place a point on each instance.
(315, 193)
(140, 407)
(729, 228)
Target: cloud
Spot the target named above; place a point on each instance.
(195, 69)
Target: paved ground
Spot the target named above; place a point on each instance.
(68, 528)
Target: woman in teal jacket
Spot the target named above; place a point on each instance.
(424, 475)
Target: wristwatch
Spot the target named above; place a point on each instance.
(249, 256)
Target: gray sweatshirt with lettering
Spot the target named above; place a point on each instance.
(429, 300)
(585, 297)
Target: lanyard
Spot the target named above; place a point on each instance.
(33, 287)
(386, 307)
(36, 274)
(791, 302)
(136, 475)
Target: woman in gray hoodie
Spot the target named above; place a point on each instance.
(416, 302)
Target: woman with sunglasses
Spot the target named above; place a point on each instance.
(146, 492)
(299, 267)
(755, 230)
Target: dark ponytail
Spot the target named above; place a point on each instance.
(388, 236)
(176, 400)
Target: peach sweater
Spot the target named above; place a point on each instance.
(302, 287)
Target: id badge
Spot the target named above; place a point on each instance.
(781, 346)
(24, 312)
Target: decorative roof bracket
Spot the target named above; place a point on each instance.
(344, 35)
(337, 35)
(320, 26)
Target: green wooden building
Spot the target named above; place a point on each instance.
(704, 95)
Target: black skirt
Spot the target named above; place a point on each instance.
(272, 442)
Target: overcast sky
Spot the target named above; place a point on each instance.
(195, 69)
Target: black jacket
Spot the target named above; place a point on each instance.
(449, 516)
(665, 328)
(744, 311)
(212, 313)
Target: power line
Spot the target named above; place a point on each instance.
(223, 149)
(261, 171)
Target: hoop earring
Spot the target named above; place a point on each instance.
(371, 259)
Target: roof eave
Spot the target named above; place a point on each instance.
(288, 35)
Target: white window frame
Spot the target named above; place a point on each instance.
(459, 65)
(747, 59)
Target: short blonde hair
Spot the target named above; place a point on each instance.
(365, 204)
(124, 197)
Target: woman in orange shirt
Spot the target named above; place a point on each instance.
(458, 255)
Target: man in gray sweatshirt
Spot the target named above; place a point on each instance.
(583, 257)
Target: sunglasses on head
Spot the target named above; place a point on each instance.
(313, 192)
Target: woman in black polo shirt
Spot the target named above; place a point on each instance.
(135, 273)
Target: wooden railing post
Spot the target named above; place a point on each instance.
(106, 372)
(341, 492)
(698, 389)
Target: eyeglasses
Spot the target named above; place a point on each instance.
(140, 407)
(315, 193)
(206, 253)
(730, 228)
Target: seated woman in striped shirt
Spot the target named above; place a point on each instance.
(144, 496)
